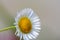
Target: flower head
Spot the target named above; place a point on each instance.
(27, 24)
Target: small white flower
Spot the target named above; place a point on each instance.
(27, 24)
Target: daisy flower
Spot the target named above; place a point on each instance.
(27, 24)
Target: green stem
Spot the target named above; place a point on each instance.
(4, 29)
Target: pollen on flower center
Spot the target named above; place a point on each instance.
(25, 25)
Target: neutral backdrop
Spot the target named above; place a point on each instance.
(48, 11)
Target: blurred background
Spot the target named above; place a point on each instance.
(48, 11)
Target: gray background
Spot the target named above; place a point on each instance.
(48, 11)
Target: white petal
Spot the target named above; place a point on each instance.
(17, 34)
(32, 36)
(17, 28)
(37, 28)
(16, 20)
(18, 16)
(28, 10)
(36, 34)
(21, 36)
(31, 14)
(25, 37)
(29, 36)
(36, 23)
(36, 20)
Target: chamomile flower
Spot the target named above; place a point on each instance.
(27, 24)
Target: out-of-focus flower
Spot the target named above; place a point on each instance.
(27, 24)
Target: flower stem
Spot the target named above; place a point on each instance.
(4, 29)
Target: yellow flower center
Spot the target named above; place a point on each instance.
(25, 25)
